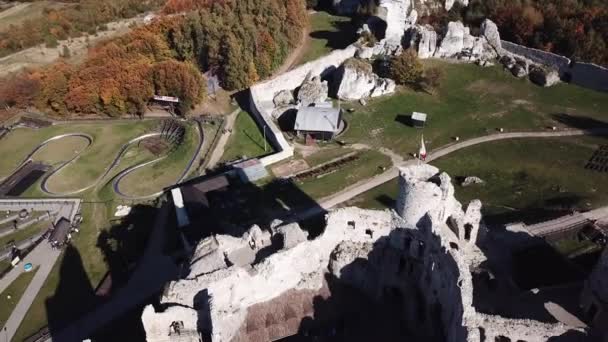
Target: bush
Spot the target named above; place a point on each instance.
(432, 79)
(406, 68)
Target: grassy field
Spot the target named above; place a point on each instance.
(157, 176)
(327, 32)
(525, 179)
(246, 140)
(25, 233)
(368, 165)
(108, 137)
(471, 101)
(15, 291)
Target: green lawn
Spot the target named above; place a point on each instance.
(368, 165)
(15, 291)
(155, 177)
(525, 179)
(246, 140)
(108, 138)
(327, 32)
(471, 101)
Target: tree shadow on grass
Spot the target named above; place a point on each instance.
(591, 125)
(77, 311)
(345, 34)
(74, 295)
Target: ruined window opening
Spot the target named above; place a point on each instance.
(411, 270)
(482, 335)
(454, 245)
(406, 243)
(460, 283)
(522, 341)
(502, 339)
(370, 233)
(351, 224)
(468, 228)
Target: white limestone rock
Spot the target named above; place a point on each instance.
(472, 180)
(365, 52)
(312, 91)
(355, 81)
(490, 31)
(423, 39)
(453, 41)
(283, 98)
(450, 3)
(399, 16)
(292, 235)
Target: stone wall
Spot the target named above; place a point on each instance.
(589, 75)
(586, 75)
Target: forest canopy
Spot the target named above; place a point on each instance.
(168, 57)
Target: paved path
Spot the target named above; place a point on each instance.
(218, 152)
(370, 183)
(42, 256)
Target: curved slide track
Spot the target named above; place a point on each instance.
(116, 182)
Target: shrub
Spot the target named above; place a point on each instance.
(406, 68)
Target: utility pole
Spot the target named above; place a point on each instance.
(264, 137)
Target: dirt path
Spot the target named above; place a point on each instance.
(218, 152)
(370, 183)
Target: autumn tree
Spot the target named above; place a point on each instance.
(179, 79)
(406, 68)
(19, 90)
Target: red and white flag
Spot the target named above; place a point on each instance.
(422, 153)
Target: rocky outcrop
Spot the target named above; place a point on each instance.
(283, 98)
(543, 76)
(312, 91)
(519, 67)
(450, 3)
(490, 31)
(423, 38)
(458, 43)
(355, 80)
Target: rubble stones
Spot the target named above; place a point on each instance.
(544, 77)
(471, 180)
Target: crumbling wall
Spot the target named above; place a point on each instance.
(586, 75)
(417, 256)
